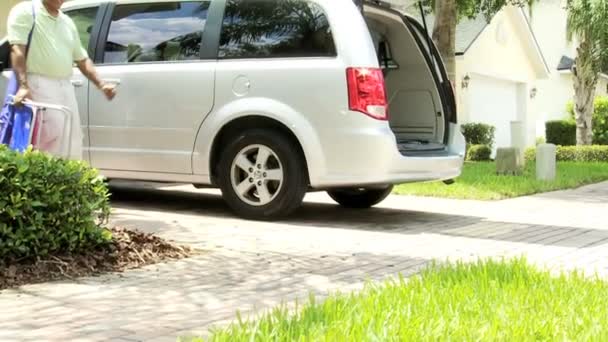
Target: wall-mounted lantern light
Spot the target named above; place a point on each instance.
(533, 92)
(465, 82)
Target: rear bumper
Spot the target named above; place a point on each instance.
(372, 158)
(406, 170)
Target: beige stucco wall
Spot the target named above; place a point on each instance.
(499, 52)
(5, 7)
(553, 96)
(549, 24)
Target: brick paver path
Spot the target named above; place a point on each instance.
(249, 266)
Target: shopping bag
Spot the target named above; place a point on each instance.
(7, 112)
(21, 128)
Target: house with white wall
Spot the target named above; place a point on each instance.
(548, 19)
(498, 66)
(516, 67)
(5, 7)
(498, 74)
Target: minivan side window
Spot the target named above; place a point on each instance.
(275, 29)
(156, 32)
(84, 19)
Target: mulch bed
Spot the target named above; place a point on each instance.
(129, 249)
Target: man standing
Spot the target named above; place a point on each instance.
(45, 74)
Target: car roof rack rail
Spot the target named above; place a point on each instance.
(381, 3)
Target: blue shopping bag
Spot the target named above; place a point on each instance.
(16, 122)
(21, 128)
(7, 112)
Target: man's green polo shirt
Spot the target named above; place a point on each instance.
(55, 44)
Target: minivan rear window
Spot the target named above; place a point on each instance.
(275, 29)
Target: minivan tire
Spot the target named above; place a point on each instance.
(284, 155)
(360, 198)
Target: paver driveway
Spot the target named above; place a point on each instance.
(249, 266)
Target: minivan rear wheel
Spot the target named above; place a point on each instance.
(360, 198)
(262, 175)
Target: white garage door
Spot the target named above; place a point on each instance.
(494, 102)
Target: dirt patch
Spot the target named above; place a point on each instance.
(129, 249)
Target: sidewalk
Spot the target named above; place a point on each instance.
(249, 266)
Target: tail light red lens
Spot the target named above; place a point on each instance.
(367, 92)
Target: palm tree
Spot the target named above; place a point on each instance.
(588, 25)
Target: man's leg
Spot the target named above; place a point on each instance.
(76, 136)
(48, 91)
(53, 136)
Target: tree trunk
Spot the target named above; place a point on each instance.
(585, 82)
(444, 34)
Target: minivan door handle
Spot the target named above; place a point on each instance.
(77, 83)
(112, 80)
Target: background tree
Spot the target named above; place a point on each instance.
(588, 25)
(447, 15)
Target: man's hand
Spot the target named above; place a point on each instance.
(21, 95)
(88, 69)
(109, 90)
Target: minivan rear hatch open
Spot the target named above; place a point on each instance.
(421, 101)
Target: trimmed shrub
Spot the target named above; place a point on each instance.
(479, 153)
(478, 134)
(49, 205)
(561, 132)
(600, 119)
(540, 140)
(530, 154)
(594, 153)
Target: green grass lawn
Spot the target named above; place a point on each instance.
(485, 301)
(479, 181)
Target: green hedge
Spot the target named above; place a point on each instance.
(479, 153)
(600, 119)
(478, 134)
(530, 154)
(561, 132)
(595, 153)
(49, 205)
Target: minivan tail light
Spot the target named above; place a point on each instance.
(367, 92)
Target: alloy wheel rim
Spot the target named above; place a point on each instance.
(256, 175)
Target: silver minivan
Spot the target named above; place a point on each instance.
(266, 99)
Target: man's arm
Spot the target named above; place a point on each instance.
(20, 22)
(18, 62)
(88, 69)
